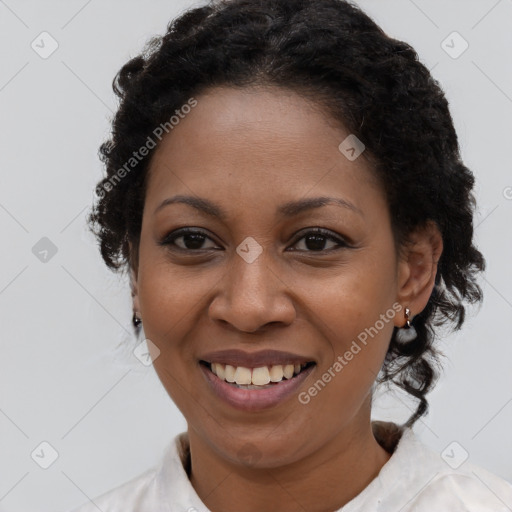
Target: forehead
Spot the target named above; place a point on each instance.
(256, 146)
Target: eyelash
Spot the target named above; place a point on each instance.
(169, 240)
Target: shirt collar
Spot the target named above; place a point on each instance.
(175, 492)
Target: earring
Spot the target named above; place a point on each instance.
(136, 320)
(407, 324)
(407, 332)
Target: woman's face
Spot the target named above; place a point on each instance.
(258, 278)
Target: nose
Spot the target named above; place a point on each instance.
(252, 296)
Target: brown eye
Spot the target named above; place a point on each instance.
(316, 240)
(186, 240)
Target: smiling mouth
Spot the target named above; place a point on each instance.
(262, 377)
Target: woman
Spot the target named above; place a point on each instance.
(284, 186)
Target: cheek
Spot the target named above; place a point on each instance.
(356, 341)
(166, 300)
(172, 303)
(168, 308)
(171, 295)
(352, 299)
(354, 311)
(165, 308)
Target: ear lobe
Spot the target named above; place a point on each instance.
(418, 267)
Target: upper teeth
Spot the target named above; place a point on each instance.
(257, 376)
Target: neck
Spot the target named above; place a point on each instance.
(321, 482)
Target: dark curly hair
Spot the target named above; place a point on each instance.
(334, 54)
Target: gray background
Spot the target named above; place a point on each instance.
(67, 374)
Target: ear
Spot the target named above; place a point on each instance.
(417, 269)
(133, 280)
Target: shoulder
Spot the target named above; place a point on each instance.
(428, 482)
(126, 497)
(164, 485)
(460, 491)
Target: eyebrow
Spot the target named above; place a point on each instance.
(289, 209)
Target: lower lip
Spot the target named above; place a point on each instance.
(254, 399)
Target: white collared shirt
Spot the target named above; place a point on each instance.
(415, 479)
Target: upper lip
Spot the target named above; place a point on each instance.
(235, 357)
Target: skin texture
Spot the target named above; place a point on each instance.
(250, 150)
